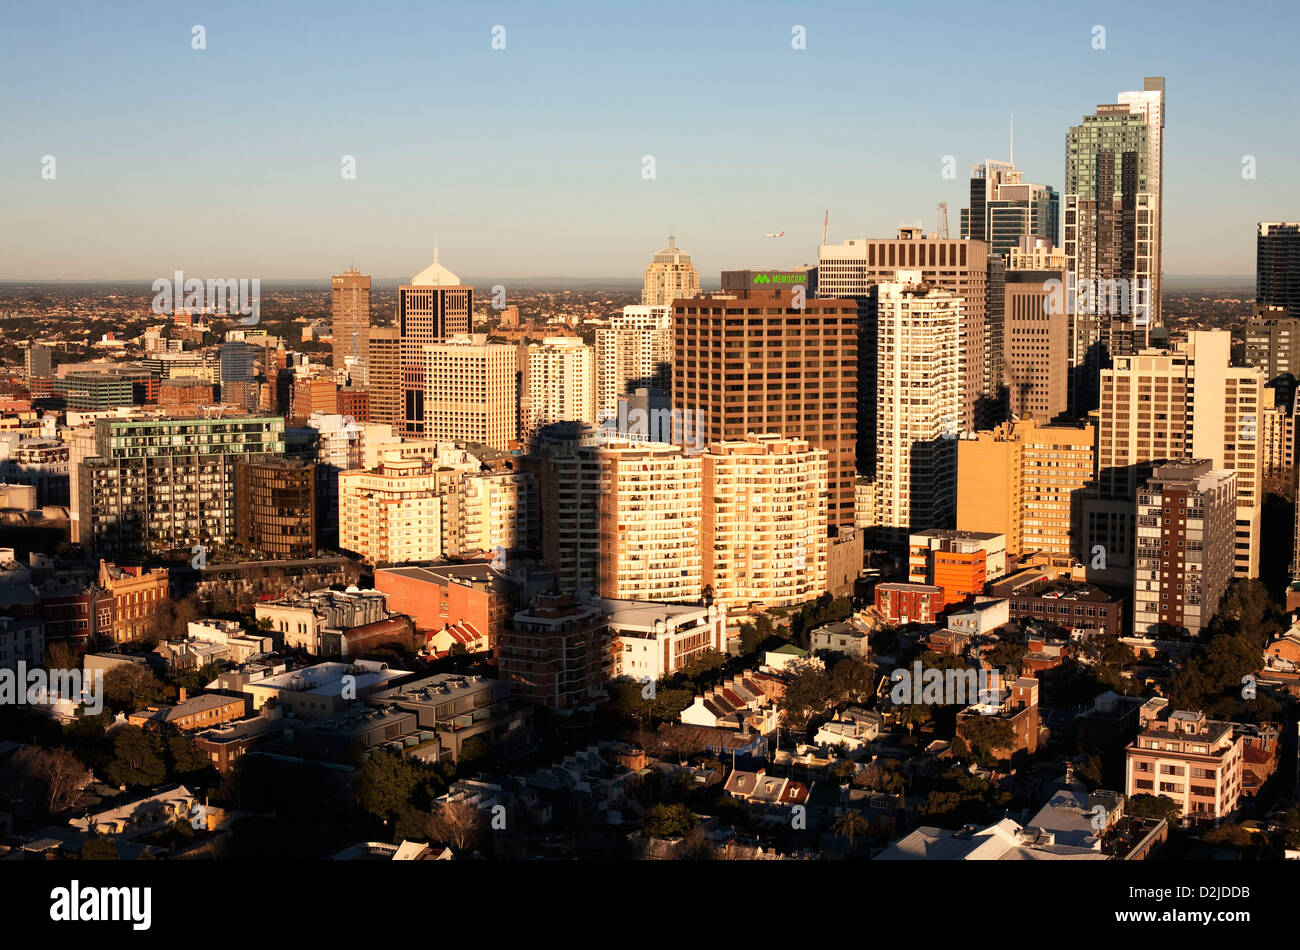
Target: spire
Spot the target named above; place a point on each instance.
(435, 248)
(1013, 139)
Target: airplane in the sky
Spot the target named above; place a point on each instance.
(777, 234)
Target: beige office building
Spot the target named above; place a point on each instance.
(764, 536)
(391, 515)
(1037, 344)
(469, 391)
(1027, 481)
(671, 275)
(350, 326)
(1168, 405)
(384, 376)
(433, 307)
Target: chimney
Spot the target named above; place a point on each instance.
(182, 696)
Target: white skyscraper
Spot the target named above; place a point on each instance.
(559, 383)
(636, 350)
(919, 373)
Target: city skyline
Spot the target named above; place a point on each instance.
(534, 189)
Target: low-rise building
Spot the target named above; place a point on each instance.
(188, 713)
(653, 640)
(460, 708)
(1194, 761)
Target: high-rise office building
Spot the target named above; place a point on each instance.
(1273, 342)
(1004, 208)
(1037, 343)
(38, 360)
(669, 276)
(469, 391)
(165, 483)
(350, 326)
(634, 352)
(557, 383)
(1277, 267)
(1184, 563)
(853, 269)
(1027, 482)
(764, 536)
(754, 361)
(433, 307)
(384, 373)
(1163, 405)
(919, 374)
(1114, 165)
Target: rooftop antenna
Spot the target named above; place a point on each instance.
(1013, 140)
(826, 225)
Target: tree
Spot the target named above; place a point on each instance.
(188, 761)
(99, 849)
(1153, 806)
(136, 759)
(389, 784)
(457, 825)
(985, 734)
(57, 773)
(853, 679)
(849, 824)
(808, 694)
(129, 687)
(668, 821)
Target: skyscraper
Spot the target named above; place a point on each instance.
(1277, 268)
(558, 383)
(756, 361)
(635, 351)
(1027, 481)
(852, 270)
(670, 275)
(351, 320)
(384, 371)
(622, 519)
(1004, 208)
(469, 390)
(432, 307)
(919, 374)
(1167, 405)
(164, 483)
(1036, 346)
(1114, 163)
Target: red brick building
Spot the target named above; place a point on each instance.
(355, 403)
(909, 603)
(438, 597)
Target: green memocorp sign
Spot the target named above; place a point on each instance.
(780, 278)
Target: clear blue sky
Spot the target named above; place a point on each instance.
(527, 162)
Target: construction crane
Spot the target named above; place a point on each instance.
(943, 220)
